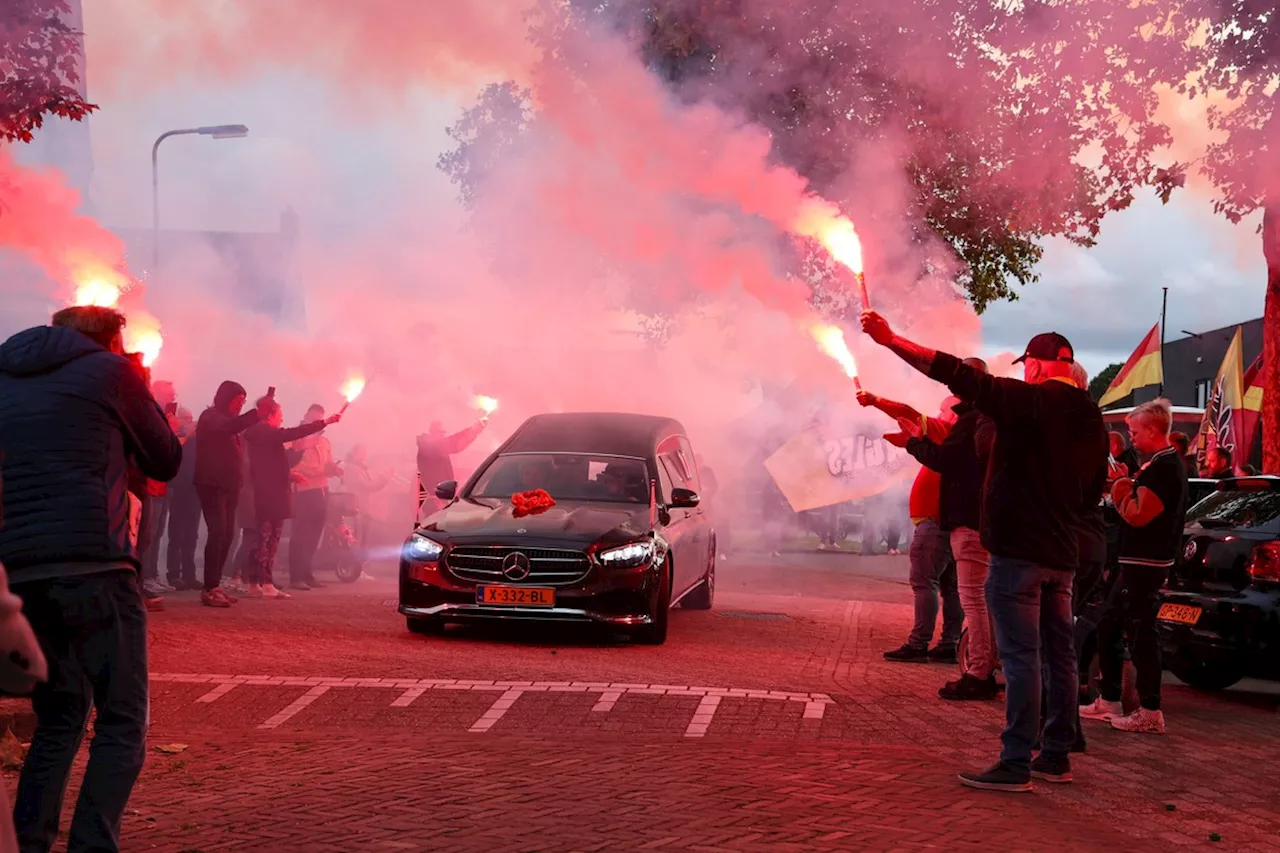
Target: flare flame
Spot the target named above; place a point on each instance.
(352, 387)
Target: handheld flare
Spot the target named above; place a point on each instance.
(488, 405)
(830, 340)
(350, 390)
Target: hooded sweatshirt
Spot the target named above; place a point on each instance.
(219, 452)
(269, 468)
(72, 418)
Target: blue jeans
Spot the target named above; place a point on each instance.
(933, 572)
(1031, 608)
(93, 630)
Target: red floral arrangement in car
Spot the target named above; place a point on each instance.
(531, 503)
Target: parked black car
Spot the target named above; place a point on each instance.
(1219, 615)
(1199, 488)
(625, 541)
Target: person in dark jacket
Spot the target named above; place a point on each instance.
(1122, 453)
(1048, 461)
(269, 466)
(961, 460)
(218, 478)
(184, 512)
(75, 414)
(435, 460)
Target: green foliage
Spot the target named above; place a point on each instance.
(39, 55)
(1100, 383)
(485, 134)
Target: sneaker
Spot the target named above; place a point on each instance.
(1101, 709)
(1051, 769)
(254, 591)
(271, 591)
(968, 688)
(943, 654)
(215, 598)
(301, 586)
(154, 603)
(907, 654)
(998, 778)
(1142, 721)
(315, 584)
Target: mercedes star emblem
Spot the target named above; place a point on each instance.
(515, 566)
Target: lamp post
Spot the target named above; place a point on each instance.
(217, 131)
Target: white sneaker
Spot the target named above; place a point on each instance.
(1141, 721)
(1101, 709)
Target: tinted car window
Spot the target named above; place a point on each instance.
(1236, 509)
(690, 465)
(566, 477)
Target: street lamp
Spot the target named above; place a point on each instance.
(217, 131)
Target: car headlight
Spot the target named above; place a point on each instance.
(421, 548)
(627, 556)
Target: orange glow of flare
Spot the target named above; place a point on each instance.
(352, 387)
(822, 221)
(831, 341)
(98, 292)
(146, 341)
(488, 405)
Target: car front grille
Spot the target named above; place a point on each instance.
(547, 566)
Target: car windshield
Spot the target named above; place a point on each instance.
(1236, 508)
(566, 477)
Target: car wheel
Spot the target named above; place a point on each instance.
(428, 626)
(655, 633)
(348, 567)
(1205, 675)
(703, 596)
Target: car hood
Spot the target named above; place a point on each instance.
(494, 522)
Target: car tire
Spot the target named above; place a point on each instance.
(655, 633)
(426, 627)
(703, 596)
(348, 566)
(1209, 676)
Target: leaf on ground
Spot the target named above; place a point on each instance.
(171, 748)
(12, 751)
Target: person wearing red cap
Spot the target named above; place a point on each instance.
(1048, 466)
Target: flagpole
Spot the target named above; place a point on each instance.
(1164, 306)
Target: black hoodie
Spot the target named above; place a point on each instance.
(219, 453)
(961, 460)
(72, 417)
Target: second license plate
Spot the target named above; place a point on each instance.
(518, 596)
(1183, 614)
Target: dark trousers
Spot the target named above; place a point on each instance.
(933, 576)
(93, 630)
(309, 510)
(1132, 606)
(155, 518)
(242, 566)
(184, 531)
(219, 509)
(1031, 609)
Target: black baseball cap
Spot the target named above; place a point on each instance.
(1049, 346)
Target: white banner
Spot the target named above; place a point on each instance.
(817, 467)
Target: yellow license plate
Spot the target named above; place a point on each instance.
(517, 596)
(1181, 613)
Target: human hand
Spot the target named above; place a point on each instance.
(865, 399)
(333, 419)
(296, 477)
(897, 439)
(877, 328)
(173, 422)
(912, 428)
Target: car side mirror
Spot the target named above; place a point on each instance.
(448, 490)
(684, 498)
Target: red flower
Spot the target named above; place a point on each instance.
(529, 503)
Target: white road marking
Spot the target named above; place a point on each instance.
(815, 704)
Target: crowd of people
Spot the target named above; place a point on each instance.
(1020, 487)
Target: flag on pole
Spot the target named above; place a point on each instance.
(1143, 368)
(1251, 408)
(1219, 425)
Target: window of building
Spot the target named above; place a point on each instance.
(1202, 392)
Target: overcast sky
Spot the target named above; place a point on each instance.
(339, 168)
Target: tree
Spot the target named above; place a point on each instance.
(39, 55)
(485, 134)
(1100, 383)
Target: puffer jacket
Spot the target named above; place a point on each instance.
(72, 418)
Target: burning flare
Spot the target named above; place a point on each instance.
(142, 335)
(97, 292)
(831, 341)
(352, 388)
(488, 405)
(823, 221)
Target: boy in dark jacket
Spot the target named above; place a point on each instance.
(74, 414)
(272, 495)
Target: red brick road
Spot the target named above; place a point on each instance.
(359, 767)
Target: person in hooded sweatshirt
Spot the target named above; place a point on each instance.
(272, 493)
(75, 415)
(218, 478)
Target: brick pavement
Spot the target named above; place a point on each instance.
(360, 768)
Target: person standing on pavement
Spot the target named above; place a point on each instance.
(363, 482)
(961, 461)
(155, 508)
(272, 496)
(218, 479)
(932, 569)
(436, 450)
(1048, 461)
(311, 477)
(1217, 464)
(1122, 453)
(1182, 442)
(184, 512)
(1152, 508)
(75, 414)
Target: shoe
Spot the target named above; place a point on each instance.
(254, 591)
(315, 584)
(154, 603)
(968, 688)
(1101, 709)
(365, 576)
(215, 598)
(179, 585)
(1051, 769)
(1142, 721)
(271, 591)
(300, 586)
(998, 778)
(907, 654)
(942, 654)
